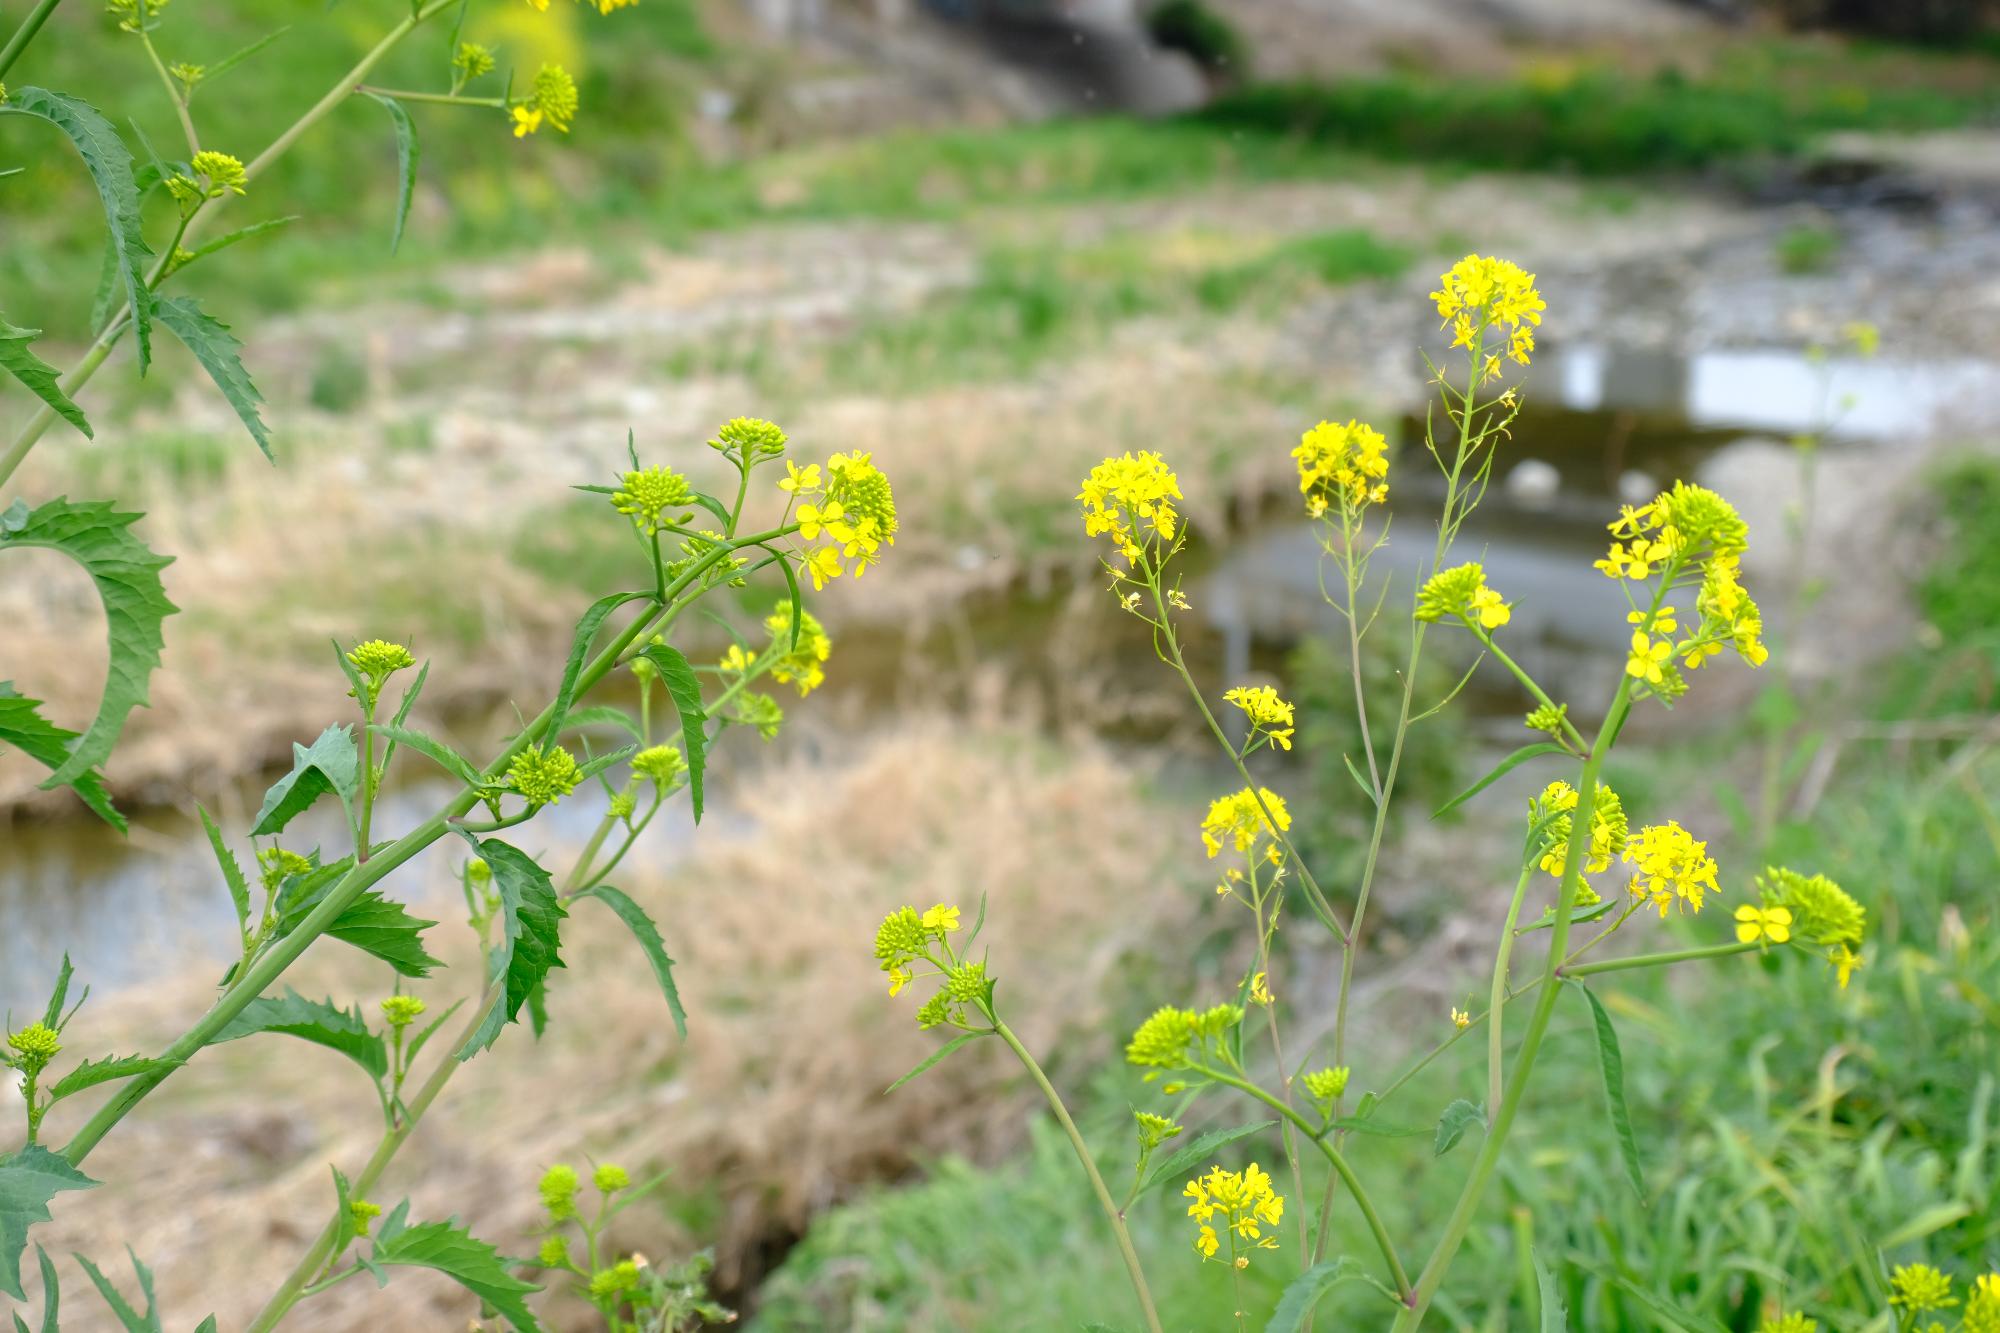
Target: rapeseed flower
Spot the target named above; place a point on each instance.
(552, 97)
(1342, 466)
(1770, 924)
(543, 775)
(1461, 591)
(1671, 864)
(1237, 1205)
(1918, 1288)
(1608, 830)
(1239, 819)
(1269, 715)
(1131, 500)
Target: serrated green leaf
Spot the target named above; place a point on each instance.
(406, 163)
(23, 727)
(232, 873)
(449, 1249)
(530, 935)
(384, 927)
(40, 378)
(685, 687)
(221, 355)
(109, 162)
(1611, 1063)
(93, 1072)
(133, 1321)
(650, 943)
(1303, 1292)
(434, 750)
(51, 1295)
(59, 993)
(29, 1178)
(1499, 770)
(127, 578)
(1197, 1150)
(329, 764)
(1460, 1116)
(1554, 1318)
(935, 1058)
(318, 1021)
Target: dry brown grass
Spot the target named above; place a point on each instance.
(774, 1105)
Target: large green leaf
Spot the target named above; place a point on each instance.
(329, 764)
(1305, 1291)
(29, 1178)
(1611, 1063)
(131, 1320)
(23, 727)
(655, 948)
(109, 162)
(93, 1072)
(530, 935)
(317, 1021)
(449, 1249)
(38, 375)
(1197, 1150)
(685, 687)
(221, 355)
(127, 578)
(406, 163)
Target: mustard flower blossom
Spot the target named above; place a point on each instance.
(1771, 924)
(552, 98)
(1608, 830)
(543, 775)
(804, 666)
(1461, 591)
(648, 493)
(1244, 1202)
(1342, 466)
(402, 1010)
(1671, 864)
(1239, 819)
(1478, 293)
(1179, 1038)
(1131, 500)
(1460, 1019)
(558, 1187)
(1269, 715)
(34, 1046)
(1326, 1086)
(1918, 1288)
(609, 1179)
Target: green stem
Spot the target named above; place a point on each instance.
(1335, 1159)
(25, 34)
(1500, 1121)
(1497, 998)
(1527, 681)
(441, 99)
(1111, 1213)
(174, 95)
(1662, 959)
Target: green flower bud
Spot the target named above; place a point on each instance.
(609, 1179)
(559, 1186)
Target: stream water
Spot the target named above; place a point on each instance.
(1605, 423)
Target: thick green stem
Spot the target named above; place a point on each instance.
(1111, 1213)
(25, 34)
(1336, 1160)
(1663, 959)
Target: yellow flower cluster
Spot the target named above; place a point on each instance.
(1608, 831)
(1822, 914)
(907, 937)
(1671, 863)
(552, 97)
(1243, 1202)
(805, 665)
(1180, 1038)
(849, 512)
(1344, 466)
(1325, 1086)
(1131, 500)
(1683, 527)
(543, 776)
(648, 493)
(1239, 819)
(1461, 591)
(1269, 715)
(1480, 293)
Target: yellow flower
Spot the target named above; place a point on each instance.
(1919, 1287)
(1268, 713)
(526, 119)
(1478, 293)
(735, 661)
(1461, 591)
(1342, 465)
(224, 173)
(1492, 611)
(1648, 657)
(1246, 1204)
(814, 518)
(1239, 819)
(799, 479)
(1844, 961)
(1260, 990)
(1672, 864)
(1608, 827)
(823, 564)
(552, 97)
(1131, 500)
(1763, 923)
(1460, 1019)
(941, 918)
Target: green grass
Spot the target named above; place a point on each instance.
(1807, 249)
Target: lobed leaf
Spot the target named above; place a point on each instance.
(530, 935)
(127, 577)
(318, 1021)
(109, 163)
(650, 943)
(1305, 1291)
(93, 1072)
(220, 354)
(384, 927)
(37, 375)
(24, 728)
(130, 1319)
(448, 1248)
(329, 764)
(29, 1178)
(685, 688)
(1460, 1116)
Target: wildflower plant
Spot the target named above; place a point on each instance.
(1678, 561)
(629, 761)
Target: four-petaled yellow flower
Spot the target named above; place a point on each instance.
(1763, 923)
(1648, 658)
(1480, 293)
(1460, 1019)
(1672, 863)
(800, 479)
(1236, 1205)
(1342, 465)
(1260, 989)
(1844, 961)
(1239, 818)
(941, 918)
(1269, 715)
(1131, 500)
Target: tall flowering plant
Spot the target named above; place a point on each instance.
(1677, 560)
